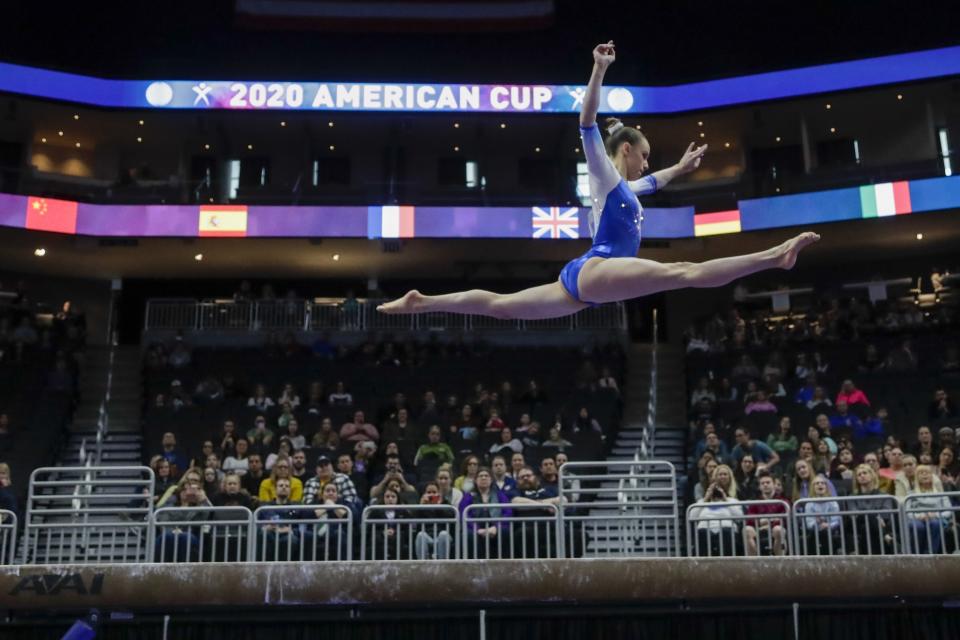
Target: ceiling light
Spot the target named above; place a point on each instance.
(456, 148)
(833, 129)
(503, 125)
(828, 105)
(206, 146)
(899, 96)
(59, 133)
(43, 139)
(700, 123)
(576, 150)
(726, 144)
(249, 147)
(778, 189)
(778, 138)
(638, 126)
(283, 123)
(198, 257)
(536, 149)
(332, 148)
(78, 145)
(139, 139)
(703, 135)
(919, 236)
(140, 123)
(76, 116)
(335, 257)
(211, 199)
(39, 252)
(456, 125)
(330, 124)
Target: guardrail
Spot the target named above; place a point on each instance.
(352, 315)
(200, 534)
(738, 528)
(410, 532)
(8, 536)
(511, 531)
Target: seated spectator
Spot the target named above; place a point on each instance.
(282, 539)
(298, 466)
(765, 532)
(947, 469)
(842, 466)
(806, 452)
(894, 466)
(906, 479)
(816, 435)
(211, 483)
(801, 370)
(805, 393)
(927, 516)
(871, 534)
(821, 527)
(925, 443)
(433, 542)
(254, 476)
(942, 407)
(468, 473)
(394, 472)
(181, 543)
(760, 403)
(556, 440)
(764, 456)
(289, 396)
(284, 452)
(363, 456)
(434, 450)
(297, 439)
(873, 427)
(703, 391)
(819, 401)
(706, 477)
(727, 392)
(586, 423)
(607, 381)
(530, 436)
(359, 430)
(359, 480)
(325, 474)
(884, 484)
(260, 438)
(315, 398)
(163, 479)
(773, 387)
(340, 397)
(8, 495)
(171, 454)
(783, 442)
(714, 445)
(285, 417)
(227, 438)
(850, 395)
(326, 437)
(447, 490)
(517, 462)
(507, 443)
(843, 419)
(871, 361)
(501, 479)
(486, 524)
(550, 473)
(280, 471)
(401, 428)
(466, 424)
(494, 423)
(233, 494)
(716, 528)
(238, 462)
(745, 370)
(213, 462)
(259, 399)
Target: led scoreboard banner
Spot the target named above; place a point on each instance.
(475, 98)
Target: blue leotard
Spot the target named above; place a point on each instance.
(616, 213)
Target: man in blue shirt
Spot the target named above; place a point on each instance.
(762, 454)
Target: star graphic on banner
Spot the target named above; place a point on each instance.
(40, 206)
(577, 95)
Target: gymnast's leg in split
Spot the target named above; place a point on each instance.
(610, 270)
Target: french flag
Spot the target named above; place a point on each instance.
(390, 222)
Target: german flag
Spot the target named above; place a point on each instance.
(712, 224)
(48, 214)
(223, 221)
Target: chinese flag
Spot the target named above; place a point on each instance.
(48, 214)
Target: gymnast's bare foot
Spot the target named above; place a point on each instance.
(788, 250)
(410, 303)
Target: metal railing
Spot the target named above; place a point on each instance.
(8, 536)
(733, 528)
(200, 534)
(303, 533)
(624, 508)
(360, 315)
(930, 523)
(511, 531)
(410, 532)
(869, 525)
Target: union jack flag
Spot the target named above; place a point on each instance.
(553, 223)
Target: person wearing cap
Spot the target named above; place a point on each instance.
(313, 490)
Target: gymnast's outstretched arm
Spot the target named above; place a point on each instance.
(603, 57)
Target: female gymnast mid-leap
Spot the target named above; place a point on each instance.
(610, 270)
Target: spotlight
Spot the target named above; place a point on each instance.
(43, 139)
(139, 139)
(39, 252)
(726, 144)
(330, 124)
(456, 148)
(140, 122)
(249, 147)
(919, 236)
(503, 125)
(60, 133)
(456, 125)
(198, 257)
(76, 116)
(828, 106)
(778, 138)
(833, 129)
(899, 96)
(335, 257)
(576, 150)
(283, 123)
(536, 149)
(207, 147)
(78, 145)
(332, 148)
(700, 123)
(703, 135)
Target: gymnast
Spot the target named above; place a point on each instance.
(610, 270)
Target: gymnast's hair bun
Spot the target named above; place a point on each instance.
(612, 125)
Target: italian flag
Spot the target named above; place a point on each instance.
(887, 199)
(716, 223)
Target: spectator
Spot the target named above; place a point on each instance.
(884, 484)
(745, 475)
(297, 440)
(282, 533)
(895, 464)
(284, 452)
(233, 494)
(843, 419)
(501, 479)
(298, 466)
(928, 516)
(821, 525)
(804, 394)
(393, 470)
(549, 474)
(819, 401)
(947, 469)
(433, 542)
(289, 396)
(873, 427)
(850, 395)
(507, 443)
(905, 481)
(359, 430)
(445, 482)
(925, 444)
(315, 398)
(706, 478)
(517, 462)
(163, 478)
(281, 471)
(434, 450)
(764, 456)
(325, 474)
(607, 381)
(714, 515)
(494, 423)
(803, 477)
(745, 370)
(816, 435)
(6, 438)
(401, 428)
(8, 495)
(213, 462)
(254, 476)
(783, 442)
(556, 440)
(842, 466)
(760, 404)
(871, 361)
(468, 473)
(326, 437)
(903, 359)
(486, 524)
(211, 483)
(585, 423)
(177, 460)
(728, 392)
(260, 438)
(466, 425)
(285, 417)
(359, 480)
(873, 533)
(181, 543)
(767, 530)
(702, 392)
(363, 455)
(259, 400)
(942, 407)
(228, 438)
(340, 397)
(238, 463)
(530, 435)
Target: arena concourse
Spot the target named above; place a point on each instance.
(210, 428)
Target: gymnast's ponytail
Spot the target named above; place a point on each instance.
(617, 134)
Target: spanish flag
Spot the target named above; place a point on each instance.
(712, 224)
(223, 221)
(48, 214)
